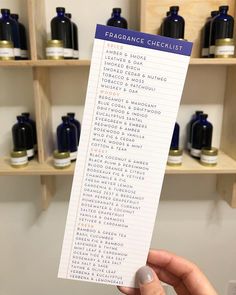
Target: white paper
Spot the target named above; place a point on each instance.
(132, 100)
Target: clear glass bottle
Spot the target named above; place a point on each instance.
(175, 138)
(33, 125)
(76, 123)
(75, 37)
(61, 29)
(201, 135)
(206, 34)
(23, 40)
(9, 31)
(117, 20)
(173, 25)
(222, 27)
(194, 119)
(22, 134)
(67, 140)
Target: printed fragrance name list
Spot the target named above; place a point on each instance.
(131, 105)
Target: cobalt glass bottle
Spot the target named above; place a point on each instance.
(173, 25)
(117, 20)
(222, 27)
(22, 134)
(67, 140)
(9, 31)
(61, 29)
(175, 138)
(194, 119)
(23, 40)
(33, 125)
(76, 123)
(201, 135)
(206, 34)
(75, 37)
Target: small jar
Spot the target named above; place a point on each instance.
(6, 50)
(55, 50)
(224, 48)
(175, 157)
(61, 159)
(19, 159)
(209, 157)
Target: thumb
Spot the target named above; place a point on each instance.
(148, 281)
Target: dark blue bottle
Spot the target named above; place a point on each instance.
(201, 135)
(75, 37)
(76, 123)
(67, 140)
(175, 138)
(173, 25)
(22, 135)
(61, 29)
(23, 39)
(9, 30)
(33, 125)
(117, 20)
(222, 27)
(206, 34)
(194, 119)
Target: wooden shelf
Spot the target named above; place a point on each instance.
(213, 61)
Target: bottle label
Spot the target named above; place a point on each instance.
(224, 50)
(19, 161)
(205, 52)
(206, 159)
(174, 160)
(23, 53)
(195, 152)
(6, 52)
(73, 155)
(54, 51)
(30, 153)
(68, 52)
(61, 162)
(76, 54)
(212, 49)
(17, 51)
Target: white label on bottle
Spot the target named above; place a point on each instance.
(19, 161)
(73, 156)
(195, 152)
(30, 153)
(212, 49)
(61, 162)
(17, 51)
(205, 52)
(224, 50)
(174, 159)
(76, 54)
(54, 51)
(208, 159)
(68, 52)
(24, 53)
(6, 52)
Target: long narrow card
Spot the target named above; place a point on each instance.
(135, 85)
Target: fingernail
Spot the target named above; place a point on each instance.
(144, 275)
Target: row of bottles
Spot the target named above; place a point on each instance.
(13, 41)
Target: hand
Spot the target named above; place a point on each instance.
(184, 276)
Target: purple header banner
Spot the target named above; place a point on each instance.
(140, 39)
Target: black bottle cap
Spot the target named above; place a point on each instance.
(5, 10)
(199, 112)
(214, 13)
(15, 16)
(224, 7)
(174, 8)
(65, 118)
(118, 10)
(71, 115)
(203, 116)
(167, 13)
(69, 15)
(60, 9)
(26, 114)
(20, 118)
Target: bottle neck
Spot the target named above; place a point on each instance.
(116, 14)
(5, 15)
(174, 12)
(60, 13)
(223, 11)
(21, 120)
